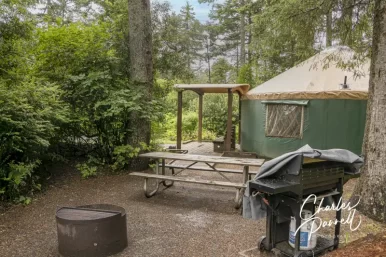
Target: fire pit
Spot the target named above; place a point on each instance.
(91, 230)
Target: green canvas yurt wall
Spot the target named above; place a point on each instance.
(331, 123)
(307, 106)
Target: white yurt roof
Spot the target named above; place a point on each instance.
(319, 77)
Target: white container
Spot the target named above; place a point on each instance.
(306, 243)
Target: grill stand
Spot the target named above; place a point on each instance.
(277, 233)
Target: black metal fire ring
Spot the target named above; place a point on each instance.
(91, 230)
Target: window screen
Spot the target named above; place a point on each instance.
(284, 120)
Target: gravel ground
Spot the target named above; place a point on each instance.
(184, 220)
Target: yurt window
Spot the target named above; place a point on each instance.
(284, 120)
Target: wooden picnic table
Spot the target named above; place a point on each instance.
(209, 162)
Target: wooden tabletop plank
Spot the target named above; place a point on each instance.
(204, 158)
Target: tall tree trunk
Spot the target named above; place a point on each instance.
(249, 38)
(188, 47)
(141, 64)
(371, 187)
(329, 28)
(209, 75)
(242, 34)
(347, 15)
(237, 61)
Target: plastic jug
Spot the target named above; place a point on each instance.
(306, 243)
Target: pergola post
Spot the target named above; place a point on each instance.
(200, 100)
(179, 120)
(229, 121)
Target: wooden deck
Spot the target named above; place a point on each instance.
(206, 148)
(203, 148)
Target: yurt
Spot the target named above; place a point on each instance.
(320, 102)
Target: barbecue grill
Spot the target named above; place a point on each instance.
(284, 193)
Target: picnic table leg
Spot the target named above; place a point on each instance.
(240, 191)
(145, 185)
(238, 198)
(245, 174)
(164, 182)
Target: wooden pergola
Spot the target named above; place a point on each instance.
(201, 89)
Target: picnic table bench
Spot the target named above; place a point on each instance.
(209, 164)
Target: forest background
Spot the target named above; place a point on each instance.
(65, 86)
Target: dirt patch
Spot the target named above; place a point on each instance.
(347, 235)
(369, 246)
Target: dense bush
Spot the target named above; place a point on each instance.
(69, 87)
(93, 77)
(30, 116)
(65, 88)
(215, 113)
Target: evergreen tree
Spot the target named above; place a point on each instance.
(221, 70)
(370, 190)
(192, 37)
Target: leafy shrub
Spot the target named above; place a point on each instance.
(93, 77)
(189, 126)
(124, 154)
(215, 113)
(17, 181)
(30, 116)
(208, 135)
(86, 170)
